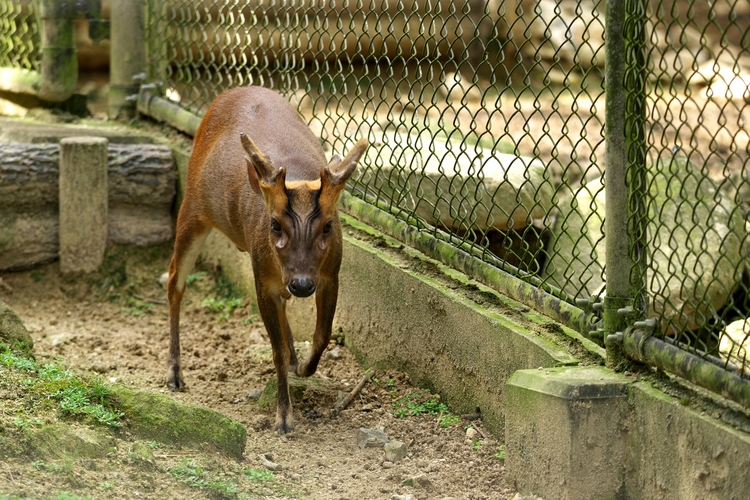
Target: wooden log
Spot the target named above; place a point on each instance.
(141, 191)
(139, 174)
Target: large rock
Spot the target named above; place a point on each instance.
(457, 187)
(694, 240)
(734, 344)
(12, 329)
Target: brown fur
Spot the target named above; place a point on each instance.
(259, 175)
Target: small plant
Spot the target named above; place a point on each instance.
(259, 475)
(106, 485)
(195, 476)
(76, 400)
(253, 318)
(195, 277)
(389, 382)
(75, 396)
(448, 420)
(36, 276)
(500, 455)
(418, 403)
(24, 423)
(222, 306)
(476, 444)
(137, 308)
(152, 444)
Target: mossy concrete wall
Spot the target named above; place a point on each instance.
(588, 433)
(676, 452)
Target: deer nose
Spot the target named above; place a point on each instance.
(302, 287)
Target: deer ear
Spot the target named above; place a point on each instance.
(260, 163)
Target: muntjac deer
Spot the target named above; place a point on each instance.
(259, 175)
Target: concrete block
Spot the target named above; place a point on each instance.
(566, 431)
(83, 203)
(676, 452)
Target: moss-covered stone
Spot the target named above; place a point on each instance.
(62, 440)
(150, 415)
(298, 388)
(13, 331)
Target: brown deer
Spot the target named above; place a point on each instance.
(259, 175)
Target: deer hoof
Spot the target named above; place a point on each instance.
(175, 381)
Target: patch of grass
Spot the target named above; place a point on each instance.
(74, 395)
(418, 403)
(223, 307)
(476, 444)
(500, 455)
(195, 277)
(448, 420)
(36, 276)
(195, 476)
(259, 475)
(137, 308)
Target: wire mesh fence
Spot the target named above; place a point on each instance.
(20, 35)
(696, 78)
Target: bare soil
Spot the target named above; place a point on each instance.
(115, 325)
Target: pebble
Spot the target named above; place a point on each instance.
(472, 433)
(334, 353)
(395, 451)
(371, 438)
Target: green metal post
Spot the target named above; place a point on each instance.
(128, 55)
(623, 96)
(59, 63)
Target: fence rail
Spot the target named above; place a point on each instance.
(493, 125)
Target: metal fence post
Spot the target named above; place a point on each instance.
(624, 101)
(59, 63)
(128, 55)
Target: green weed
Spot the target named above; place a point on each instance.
(192, 278)
(418, 403)
(500, 455)
(36, 276)
(448, 420)
(192, 474)
(74, 395)
(259, 475)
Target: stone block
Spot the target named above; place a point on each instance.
(83, 203)
(565, 432)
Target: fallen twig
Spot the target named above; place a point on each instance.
(480, 431)
(173, 455)
(349, 397)
(149, 299)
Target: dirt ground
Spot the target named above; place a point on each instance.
(115, 325)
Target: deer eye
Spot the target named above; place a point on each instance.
(275, 226)
(328, 226)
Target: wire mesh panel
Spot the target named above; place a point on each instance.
(696, 136)
(19, 34)
(486, 117)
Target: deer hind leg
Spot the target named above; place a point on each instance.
(188, 244)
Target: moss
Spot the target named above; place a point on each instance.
(159, 417)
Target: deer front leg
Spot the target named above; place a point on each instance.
(325, 300)
(273, 312)
(188, 244)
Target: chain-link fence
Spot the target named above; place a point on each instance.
(19, 33)
(487, 120)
